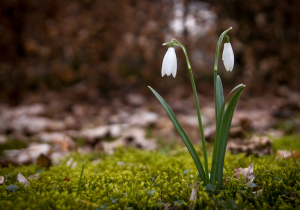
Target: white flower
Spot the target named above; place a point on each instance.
(169, 65)
(228, 57)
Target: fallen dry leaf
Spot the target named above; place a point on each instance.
(258, 192)
(135, 99)
(122, 163)
(193, 197)
(255, 145)
(95, 162)
(44, 161)
(56, 157)
(71, 163)
(237, 132)
(34, 176)
(247, 173)
(22, 179)
(59, 141)
(28, 155)
(172, 208)
(256, 119)
(66, 179)
(3, 139)
(143, 119)
(287, 154)
(132, 137)
(209, 133)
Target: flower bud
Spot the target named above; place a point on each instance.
(228, 57)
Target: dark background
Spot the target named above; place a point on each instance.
(107, 48)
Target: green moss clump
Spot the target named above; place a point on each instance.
(287, 142)
(150, 180)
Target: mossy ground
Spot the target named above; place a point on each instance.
(134, 179)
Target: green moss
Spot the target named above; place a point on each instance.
(287, 143)
(138, 179)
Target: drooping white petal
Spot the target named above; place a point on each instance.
(228, 57)
(169, 65)
(174, 72)
(163, 71)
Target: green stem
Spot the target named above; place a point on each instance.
(79, 185)
(218, 48)
(216, 144)
(197, 108)
(215, 72)
(215, 92)
(200, 126)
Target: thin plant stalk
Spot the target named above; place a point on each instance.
(197, 108)
(216, 142)
(79, 185)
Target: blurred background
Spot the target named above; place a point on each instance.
(71, 65)
(112, 47)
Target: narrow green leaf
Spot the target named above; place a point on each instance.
(210, 187)
(222, 135)
(79, 185)
(182, 134)
(216, 141)
(220, 97)
(230, 204)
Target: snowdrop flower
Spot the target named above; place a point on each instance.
(169, 65)
(228, 57)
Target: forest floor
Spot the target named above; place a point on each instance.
(51, 137)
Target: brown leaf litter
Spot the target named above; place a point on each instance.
(22, 179)
(193, 197)
(247, 173)
(254, 145)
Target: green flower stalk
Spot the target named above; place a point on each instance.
(223, 116)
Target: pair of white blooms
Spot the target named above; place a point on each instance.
(169, 65)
